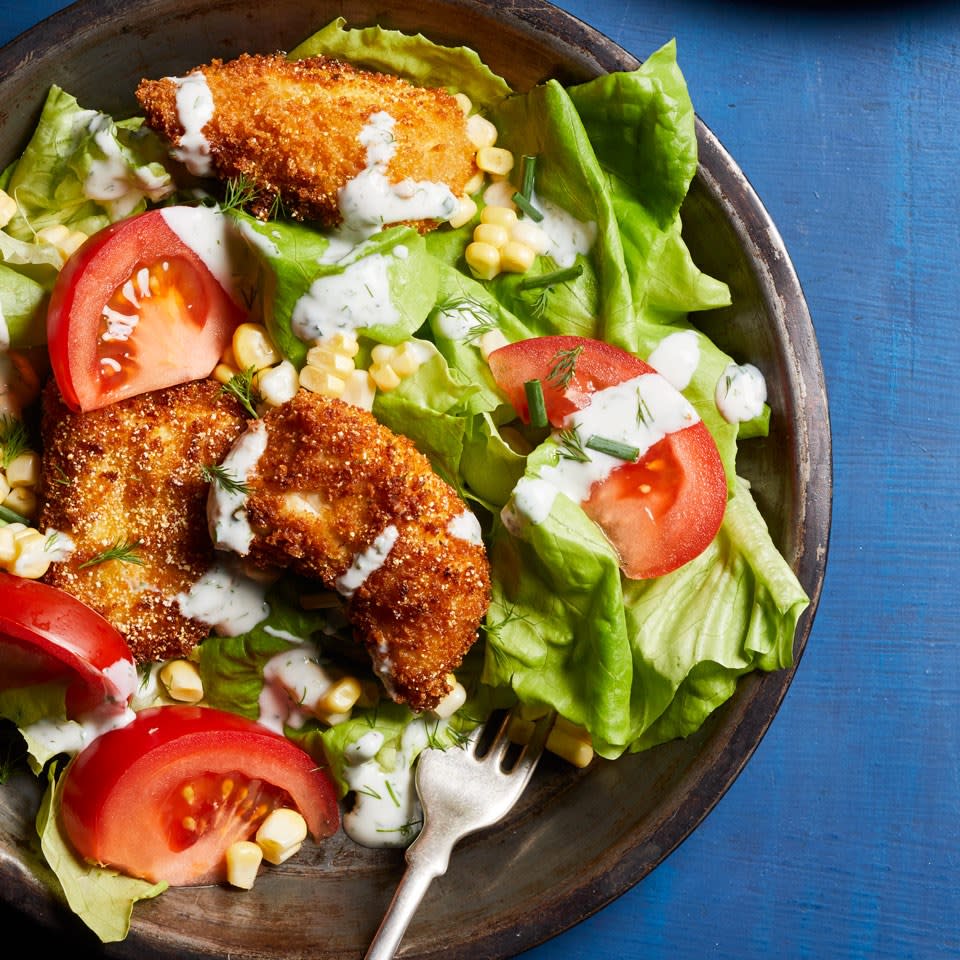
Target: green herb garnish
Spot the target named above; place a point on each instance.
(571, 446)
(552, 278)
(564, 367)
(11, 516)
(14, 438)
(240, 385)
(536, 406)
(622, 451)
(527, 207)
(123, 550)
(215, 473)
(644, 415)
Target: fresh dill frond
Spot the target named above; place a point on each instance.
(123, 550)
(644, 415)
(238, 194)
(473, 311)
(240, 385)
(217, 474)
(14, 438)
(571, 446)
(564, 367)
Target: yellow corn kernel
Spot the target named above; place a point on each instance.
(570, 742)
(492, 233)
(24, 469)
(21, 499)
(333, 361)
(406, 359)
(340, 696)
(360, 390)
(464, 103)
(243, 863)
(453, 701)
(223, 373)
(281, 835)
(62, 238)
(505, 217)
(31, 560)
(481, 132)
(4, 487)
(252, 347)
(466, 210)
(343, 341)
(516, 257)
(382, 353)
(385, 377)
(318, 381)
(475, 183)
(491, 340)
(182, 680)
(8, 207)
(500, 194)
(8, 542)
(483, 260)
(495, 160)
(276, 385)
(528, 233)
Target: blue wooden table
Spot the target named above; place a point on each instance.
(842, 837)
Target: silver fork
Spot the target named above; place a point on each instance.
(461, 791)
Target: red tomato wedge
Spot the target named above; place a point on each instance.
(48, 636)
(164, 797)
(136, 309)
(658, 512)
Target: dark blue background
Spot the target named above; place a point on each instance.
(841, 838)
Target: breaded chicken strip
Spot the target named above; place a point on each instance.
(302, 130)
(131, 473)
(335, 495)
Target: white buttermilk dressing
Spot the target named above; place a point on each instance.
(358, 297)
(194, 111)
(110, 180)
(530, 502)
(386, 810)
(215, 240)
(466, 526)
(258, 241)
(367, 562)
(369, 201)
(226, 600)
(741, 393)
(567, 235)
(293, 683)
(676, 358)
(71, 736)
(227, 509)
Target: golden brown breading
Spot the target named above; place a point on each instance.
(132, 472)
(330, 482)
(291, 128)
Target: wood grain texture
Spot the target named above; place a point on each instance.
(841, 837)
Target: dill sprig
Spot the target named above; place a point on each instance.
(571, 446)
(644, 415)
(123, 550)
(216, 473)
(14, 438)
(564, 367)
(239, 192)
(481, 320)
(240, 385)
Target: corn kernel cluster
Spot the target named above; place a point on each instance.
(23, 551)
(567, 740)
(278, 838)
(503, 243)
(18, 483)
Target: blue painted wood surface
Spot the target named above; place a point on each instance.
(841, 839)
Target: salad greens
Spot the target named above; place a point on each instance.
(634, 662)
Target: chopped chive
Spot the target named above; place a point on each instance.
(527, 207)
(535, 403)
(11, 516)
(623, 451)
(549, 279)
(529, 173)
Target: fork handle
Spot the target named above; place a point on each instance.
(427, 858)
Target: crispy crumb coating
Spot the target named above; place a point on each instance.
(331, 480)
(132, 472)
(291, 129)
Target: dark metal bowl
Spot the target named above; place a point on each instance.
(578, 839)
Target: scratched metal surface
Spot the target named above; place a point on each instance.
(841, 837)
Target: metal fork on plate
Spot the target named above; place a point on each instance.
(461, 791)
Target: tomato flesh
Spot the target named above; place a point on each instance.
(135, 309)
(48, 636)
(659, 512)
(164, 797)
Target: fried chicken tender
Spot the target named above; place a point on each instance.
(337, 496)
(292, 130)
(131, 473)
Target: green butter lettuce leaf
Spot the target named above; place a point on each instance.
(103, 899)
(415, 58)
(21, 300)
